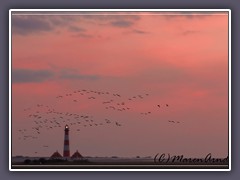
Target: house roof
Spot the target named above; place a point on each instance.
(56, 155)
(76, 155)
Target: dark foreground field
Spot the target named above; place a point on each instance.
(113, 163)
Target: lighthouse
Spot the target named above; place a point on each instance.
(66, 149)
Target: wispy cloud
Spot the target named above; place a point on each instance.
(38, 76)
(191, 15)
(29, 76)
(122, 23)
(140, 31)
(189, 32)
(83, 35)
(107, 17)
(30, 24)
(73, 75)
(24, 25)
(76, 29)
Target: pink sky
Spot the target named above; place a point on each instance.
(180, 60)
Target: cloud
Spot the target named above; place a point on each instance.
(106, 16)
(139, 31)
(191, 15)
(61, 20)
(73, 75)
(189, 32)
(122, 23)
(29, 76)
(136, 31)
(38, 76)
(30, 24)
(24, 25)
(83, 35)
(76, 29)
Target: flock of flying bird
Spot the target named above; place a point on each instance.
(46, 118)
(109, 104)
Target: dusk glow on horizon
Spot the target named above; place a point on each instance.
(126, 84)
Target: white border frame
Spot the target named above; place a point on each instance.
(122, 10)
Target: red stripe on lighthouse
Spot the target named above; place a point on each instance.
(66, 149)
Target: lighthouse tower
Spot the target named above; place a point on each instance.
(66, 150)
